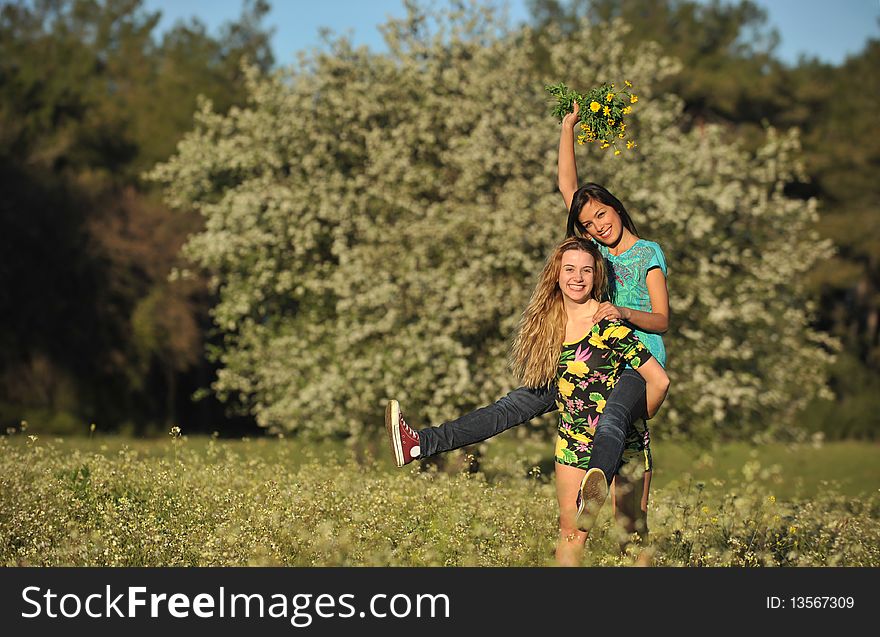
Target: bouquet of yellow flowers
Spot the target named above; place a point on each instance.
(602, 112)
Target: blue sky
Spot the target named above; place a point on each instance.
(827, 29)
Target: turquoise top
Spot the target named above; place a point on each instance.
(627, 280)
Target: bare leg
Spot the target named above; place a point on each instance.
(570, 545)
(631, 504)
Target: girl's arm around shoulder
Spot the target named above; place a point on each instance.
(655, 280)
(657, 320)
(657, 290)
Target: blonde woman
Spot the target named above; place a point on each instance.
(565, 357)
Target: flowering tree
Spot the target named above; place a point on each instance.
(374, 225)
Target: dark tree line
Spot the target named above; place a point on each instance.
(91, 328)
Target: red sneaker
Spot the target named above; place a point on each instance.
(404, 441)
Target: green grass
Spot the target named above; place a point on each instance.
(802, 470)
(851, 468)
(792, 470)
(200, 501)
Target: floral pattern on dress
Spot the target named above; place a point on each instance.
(586, 373)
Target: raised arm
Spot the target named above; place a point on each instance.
(567, 178)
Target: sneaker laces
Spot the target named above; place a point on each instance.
(406, 427)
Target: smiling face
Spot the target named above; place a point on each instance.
(602, 222)
(576, 275)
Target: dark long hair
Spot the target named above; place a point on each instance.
(583, 196)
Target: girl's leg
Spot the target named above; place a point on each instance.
(517, 407)
(570, 546)
(630, 504)
(625, 405)
(646, 488)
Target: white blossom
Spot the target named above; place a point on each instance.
(374, 225)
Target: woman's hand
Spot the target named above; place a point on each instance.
(571, 118)
(608, 311)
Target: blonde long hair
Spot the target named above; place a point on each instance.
(534, 354)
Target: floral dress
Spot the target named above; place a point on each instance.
(587, 372)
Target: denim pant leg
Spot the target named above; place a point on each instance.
(517, 407)
(626, 404)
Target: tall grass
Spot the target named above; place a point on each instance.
(211, 502)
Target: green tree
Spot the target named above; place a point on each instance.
(729, 72)
(374, 225)
(842, 153)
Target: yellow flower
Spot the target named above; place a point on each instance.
(596, 341)
(714, 520)
(706, 510)
(595, 106)
(616, 152)
(628, 83)
(561, 444)
(565, 387)
(606, 110)
(616, 331)
(627, 110)
(609, 97)
(633, 99)
(622, 127)
(771, 499)
(621, 136)
(630, 145)
(578, 368)
(792, 529)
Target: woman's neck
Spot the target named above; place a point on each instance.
(626, 241)
(580, 312)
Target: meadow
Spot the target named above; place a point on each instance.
(205, 501)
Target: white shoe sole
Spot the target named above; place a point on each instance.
(392, 426)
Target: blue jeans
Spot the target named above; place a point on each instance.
(626, 404)
(517, 407)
